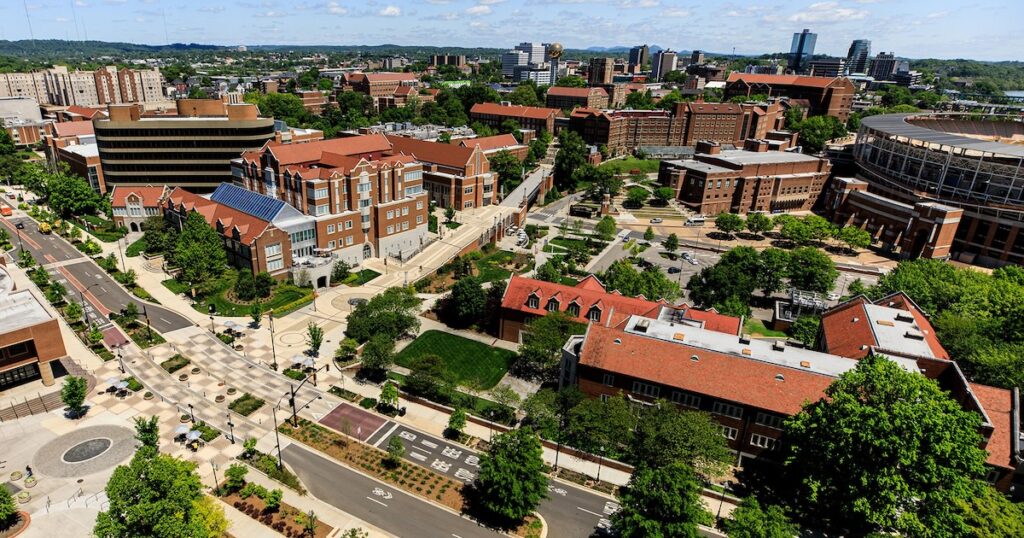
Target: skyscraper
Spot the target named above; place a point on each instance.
(513, 59)
(697, 57)
(600, 71)
(663, 63)
(801, 50)
(537, 52)
(638, 55)
(857, 57)
(883, 66)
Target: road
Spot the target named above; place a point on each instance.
(78, 273)
(376, 503)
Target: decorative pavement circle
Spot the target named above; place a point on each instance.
(85, 451)
(292, 338)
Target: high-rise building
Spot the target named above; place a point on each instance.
(883, 67)
(828, 67)
(663, 63)
(458, 60)
(106, 85)
(857, 57)
(638, 55)
(537, 52)
(697, 57)
(801, 50)
(600, 72)
(511, 60)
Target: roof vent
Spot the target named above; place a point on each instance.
(886, 322)
(678, 336)
(780, 377)
(618, 340)
(694, 358)
(805, 364)
(642, 325)
(779, 346)
(745, 340)
(904, 317)
(914, 335)
(855, 320)
(746, 351)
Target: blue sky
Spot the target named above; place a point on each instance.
(983, 29)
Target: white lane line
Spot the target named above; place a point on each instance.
(456, 535)
(376, 501)
(165, 320)
(417, 456)
(429, 444)
(589, 512)
(385, 436)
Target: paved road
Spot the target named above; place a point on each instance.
(82, 277)
(378, 504)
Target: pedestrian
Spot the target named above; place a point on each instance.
(28, 470)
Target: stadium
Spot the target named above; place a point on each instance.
(943, 178)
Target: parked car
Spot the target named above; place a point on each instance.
(20, 225)
(656, 221)
(673, 270)
(689, 257)
(833, 297)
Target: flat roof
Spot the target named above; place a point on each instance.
(18, 309)
(896, 124)
(894, 329)
(742, 157)
(85, 150)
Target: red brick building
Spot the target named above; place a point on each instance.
(528, 117)
(570, 98)
(30, 337)
(381, 87)
(131, 206)
(453, 175)
(491, 145)
(826, 96)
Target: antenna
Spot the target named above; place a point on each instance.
(163, 14)
(31, 34)
(74, 19)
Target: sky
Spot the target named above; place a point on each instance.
(981, 29)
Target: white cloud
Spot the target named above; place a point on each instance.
(61, 19)
(478, 10)
(390, 11)
(81, 3)
(491, 2)
(271, 14)
(335, 8)
(937, 15)
(449, 16)
(639, 3)
(675, 12)
(211, 9)
(439, 2)
(828, 12)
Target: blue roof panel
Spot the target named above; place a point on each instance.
(248, 202)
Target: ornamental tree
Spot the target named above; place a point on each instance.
(511, 482)
(751, 520)
(662, 501)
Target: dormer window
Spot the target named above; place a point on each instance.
(552, 305)
(574, 309)
(533, 301)
(594, 314)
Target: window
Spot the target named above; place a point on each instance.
(414, 190)
(552, 305)
(330, 244)
(363, 187)
(405, 211)
(391, 215)
(764, 441)
(419, 205)
(646, 389)
(574, 309)
(721, 408)
(608, 379)
(330, 228)
(605, 397)
(729, 433)
(594, 314)
(467, 205)
(348, 225)
(685, 398)
(533, 301)
(349, 240)
(364, 203)
(272, 250)
(413, 175)
(467, 190)
(391, 229)
(322, 210)
(320, 193)
(275, 265)
(419, 219)
(772, 421)
(992, 477)
(405, 225)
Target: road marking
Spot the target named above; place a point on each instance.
(376, 501)
(441, 465)
(385, 436)
(452, 452)
(417, 456)
(427, 443)
(589, 512)
(407, 435)
(165, 320)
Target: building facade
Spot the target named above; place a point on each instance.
(569, 98)
(858, 56)
(131, 206)
(663, 63)
(528, 117)
(828, 67)
(30, 337)
(639, 55)
(883, 66)
(599, 71)
(740, 181)
(801, 50)
(453, 175)
(84, 161)
(191, 149)
(104, 86)
(825, 96)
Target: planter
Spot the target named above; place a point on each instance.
(219, 398)
(24, 497)
(231, 391)
(147, 396)
(195, 371)
(185, 418)
(183, 377)
(238, 347)
(221, 384)
(16, 475)
(30, 482)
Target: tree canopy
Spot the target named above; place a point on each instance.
(661, 502)
(652, 282)
(199, 251)
(572, 154)
(512, 481)
(543, 339)
(391, 314)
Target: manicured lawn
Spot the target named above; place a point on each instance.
(361, 277)
(286, 297)
(629, 164)
(246, 404)
(134, 249)
(175, 363)
(755, 327)
(490, 268)
(474, 364)
(104, 229)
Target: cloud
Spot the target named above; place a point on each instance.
(211, 9)
(449, 16)
(335, 8)
(81, 3)
(439, 2)
(491, 2)
(675, 12)
(390, 11)
(828, 12)
(937, 15)
(639, 3)
(61, 19)
(270, 14)
(478, 10)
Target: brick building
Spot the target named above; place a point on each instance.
(570, 98)
(131, 206)
(740, 181)
(492, 145)
(84, 161)
(453, 175)
(381, 86)
(366, 200)
(826, 96)
(313, 101)
(528, 117)
(30, 337)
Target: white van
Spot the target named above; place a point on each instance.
(696, 220)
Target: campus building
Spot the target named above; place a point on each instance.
(453, 175)
(131, 206)
(569, 98)
(30, 338)
(832, 96)
(527, 117)
(104, 86)
(744, 180)
(192, 148)
(366, 200)
(381, 87)
(492, 145)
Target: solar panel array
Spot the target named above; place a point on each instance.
(248, 202)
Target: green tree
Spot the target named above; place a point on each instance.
(648, 234)
(70, 195)
(507, 166)
(430, 379)
(666, 435)
(773, 268)
(636, 197)
(854, 238)
(734, 276)
(389, 395)
(264, 282)
(346, 351)
(729, 223)
(601, 427)
(456, 423)
(155, 495)
(572, 154)
(314, 337)
(991, 515)
(886, 450)
(8, 509)
(812, 270)
(449, 214)
(661, 502)
(571, 81)
(7, 146)
(256, 311)
(757, 223)
(199, 251)
(245, 286)
(524, 95)
(55, 293)
(751, 520)
(273, 499)
(543, 338)
(816, 131)
(805, 329)
(605, 228)
(391, 313)
(72, 393)
(652, 282)
(795, 231)
(601, 180)
(819, 227)
(234, 477)
(549, 272)
(512, 479)
(147, 431)
(378, 354)
(640, 100)
(664, 194)
(671, 243)
(40, 277)
(73, 312)
(466, 305)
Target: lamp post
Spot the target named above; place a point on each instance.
(216, 484)
(121, 252)
(120, 359)
(277, 438)
(192, 413)
(273, 347)
(231, 429)
(211, 326)
(600, 460)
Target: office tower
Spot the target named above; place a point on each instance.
(511, 60)
(638, 55)
(663, 63)
(857, 57)
(536, 52)
(801, 50)
(828, 67)
(697, 57)
(600, 71)
(883, 66)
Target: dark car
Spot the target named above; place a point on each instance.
(673, 270)
(20, 225)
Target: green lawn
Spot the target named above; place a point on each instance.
(474, 364)
(755, 327)
(361, 277)
(134, 249)
(283, 296)
(490, 268)
(246, 404)
(627, 165)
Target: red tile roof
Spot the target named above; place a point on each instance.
(249, 227)
(998, 405)
(718, 375)
(584, 93)
(310, 152)
(846, 327)
(73, 128)
(514, 111)
(390, 77)
(151, 196)
(452, 155)
(780, 80)
(490, 143)
(89, 113)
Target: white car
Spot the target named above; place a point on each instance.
(833, 297)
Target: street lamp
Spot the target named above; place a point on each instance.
(231, 429)
(273, 346)
(600, 460)
(277, 438)
(121, 252)
(120, 359)
(212, 330)
(216, 484)
(192, 413)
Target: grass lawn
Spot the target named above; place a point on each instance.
(175, 363)
(134, 249)
(283, 296)
(104, 229)
(490, 266)
(246, 404)
(453, 225)
(755, 327)
(474, 364)
(627, 165)
(361, 277)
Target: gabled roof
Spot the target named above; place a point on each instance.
(998, 405)
(491, 143)
(583, 93)
(781, 80)
(86, 112)
(514, 111)
(585, 294)
(309, 152)
(890, 325)
(718, 375)
(151, 196)
(72, 128)
(232, 220)
(390, 77)
(452, 155)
